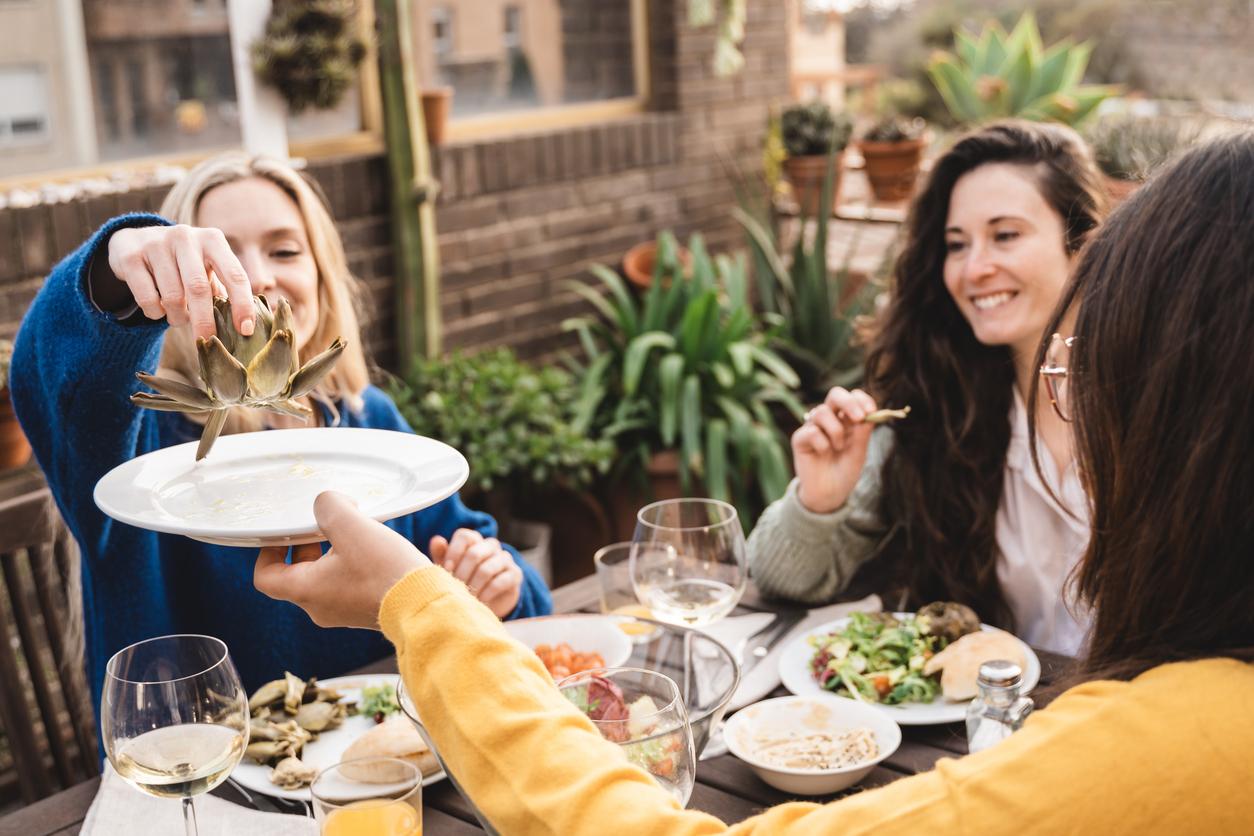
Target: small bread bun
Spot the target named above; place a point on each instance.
(395, 737)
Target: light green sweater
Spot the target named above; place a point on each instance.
(797, 554)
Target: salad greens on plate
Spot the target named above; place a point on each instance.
(879, 657)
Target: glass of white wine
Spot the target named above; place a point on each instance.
(174, 717)
(688, 561)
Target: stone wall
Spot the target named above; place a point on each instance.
(518, 216)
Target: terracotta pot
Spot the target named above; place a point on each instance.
(436, 104)
(14, 448)
(892, 167)
(806, 176)
(1118, 190)
(639, 260)
(625, 499)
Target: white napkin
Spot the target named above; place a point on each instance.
(121, 810)
(763, 677)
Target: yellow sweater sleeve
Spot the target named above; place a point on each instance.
(1105, 757)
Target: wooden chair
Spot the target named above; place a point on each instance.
(45, 707)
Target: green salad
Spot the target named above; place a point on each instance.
(878, 657)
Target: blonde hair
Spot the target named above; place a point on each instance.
(339, 292)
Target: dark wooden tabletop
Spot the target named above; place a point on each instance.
(725, 786)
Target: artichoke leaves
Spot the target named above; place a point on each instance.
(261, 370)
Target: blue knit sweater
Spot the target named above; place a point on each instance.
(73, 372)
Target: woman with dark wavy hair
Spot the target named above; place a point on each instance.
(1153, 736)
(949, 492)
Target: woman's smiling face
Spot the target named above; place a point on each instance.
(266, 231)
(1006, 261)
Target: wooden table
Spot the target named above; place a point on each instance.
(725, 786)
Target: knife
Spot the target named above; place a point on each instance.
(760, 643)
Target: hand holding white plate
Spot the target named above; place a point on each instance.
(257, 489)
(794, 672)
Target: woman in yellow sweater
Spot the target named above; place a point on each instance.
(1157, 734)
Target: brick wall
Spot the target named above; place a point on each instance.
(519, 216)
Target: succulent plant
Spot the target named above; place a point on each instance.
(813, 129)
(895, 129)
(1131, 147)
(995, 74)
(261, 370)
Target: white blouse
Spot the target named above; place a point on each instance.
(1039, 543)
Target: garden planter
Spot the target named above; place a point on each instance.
(1118, 190)
(639, 261)
(625, 497)
(806, 175)
(437, 102)
(892, 167)
(14, 448)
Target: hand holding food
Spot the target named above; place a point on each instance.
(487, 569)
(829, 449)
(261, 369)
(165, 270)
(345, 586)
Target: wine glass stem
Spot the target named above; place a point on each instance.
(189, 817)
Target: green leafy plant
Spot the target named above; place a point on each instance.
(6, 360)
(895, 128)
(730, 16)
(802, 299)
(996, 74)
(813, 129)
(512, 422)
(687, 368)
(1130, 148)
(309, 52)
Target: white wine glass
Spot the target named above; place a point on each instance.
(644, 713)
(688, 562)
(174, 716)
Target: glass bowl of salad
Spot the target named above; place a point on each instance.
(643, 712)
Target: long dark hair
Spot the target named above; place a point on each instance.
(1161, 393)
(942, 482)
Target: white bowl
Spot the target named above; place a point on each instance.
(584, 633)
(784, 715)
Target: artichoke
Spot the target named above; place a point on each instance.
(261, 370)
(947, 619)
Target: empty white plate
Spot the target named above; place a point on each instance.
(257, 489)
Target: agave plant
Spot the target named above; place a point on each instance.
(260, 370)
(996, 74)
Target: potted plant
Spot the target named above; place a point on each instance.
(14, 448)
(437, 103)
(814, 140)
(642, 266)
(309, 52)
(513, 424)
(893, 151)
(683, 382)
(997, 74)
(1129, 148)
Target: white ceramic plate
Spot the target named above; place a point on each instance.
(257, 489)
(327, 749)
(794, 671)
(585, 633)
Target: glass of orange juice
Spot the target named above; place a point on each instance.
(373, 796)
(618, 596)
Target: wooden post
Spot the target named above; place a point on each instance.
(413, 190)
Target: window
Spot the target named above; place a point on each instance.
(513, 27)
(23, 107)
(568, 52)
(442, 30)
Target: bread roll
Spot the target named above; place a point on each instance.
(395, 737)
(960, 661)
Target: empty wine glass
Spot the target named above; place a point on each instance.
(688, 560)
(644, 713)
(174, 717)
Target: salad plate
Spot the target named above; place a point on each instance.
(328, 748)
(257, 489)
(794, 672)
